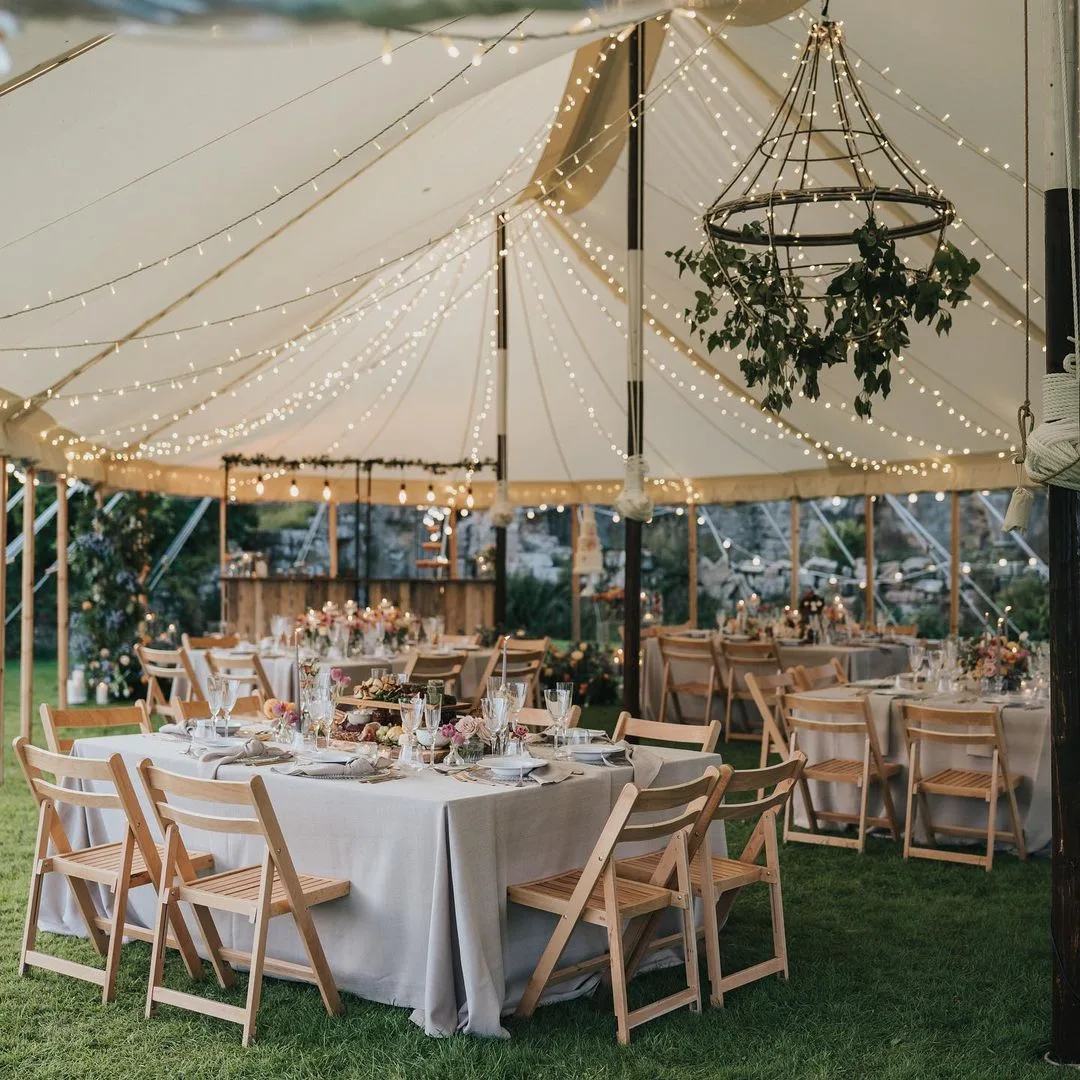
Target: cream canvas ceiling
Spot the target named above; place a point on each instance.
(303, 235)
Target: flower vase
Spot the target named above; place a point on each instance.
(471, 750)
(453, 757)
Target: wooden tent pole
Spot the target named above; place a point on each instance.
(331, 530)
(635, 385)
(501, 403)
(1061, 229)
(868, 519)
(368, 549)
(62, 616)
(794, 554)
(3, 601)
(223, 547)
(451, 543)
(26, 663)
(954, 564)
(575, 579)
(692, 558)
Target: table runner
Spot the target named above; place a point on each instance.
(426, 924)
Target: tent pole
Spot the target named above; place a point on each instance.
(692, 557)
(367, 541)
(356, 534)
(635, 395)
(451, 544)
(223, 547)
(3, 600)
(954, 564)
(868, 520)
(794, 539)
(26, 665)
(61, 592)
(575, 579)
(331, 530)
(1062, 226)
(501, 398)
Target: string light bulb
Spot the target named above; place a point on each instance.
(260, 487)
(387, 50)
(478, 56)
(430, 493)
(326, 491)
(469, 498)
(402, 496)
(451, 49)
(294, 488)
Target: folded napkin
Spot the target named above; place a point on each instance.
(554, 772)
(644, 760)
(247, 752)
(181, 730)
(356, 769)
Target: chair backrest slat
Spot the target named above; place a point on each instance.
(767, 691)
(159, 784)
(250, 705)
(781, 778)
(701, 736)
(857, 706)
(687, 650)
(208, 822)
(820, 677)
(212, 641)
(53, 721)
(981, 724)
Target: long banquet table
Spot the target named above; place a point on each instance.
(1027, 741)
(873, 660)
(426, 924)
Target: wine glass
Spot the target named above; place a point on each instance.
(412, 710)
(518, 691)
(494, 685)
(916, 656)
(430, 630)
(215, 689)
(558, 706)
(432, 723)
(496, 709)
(228, 701)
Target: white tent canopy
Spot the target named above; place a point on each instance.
(286, 248)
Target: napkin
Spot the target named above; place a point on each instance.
(183, 729)
(645, 761)
(357, 769)
(554, 772)
(251, 751)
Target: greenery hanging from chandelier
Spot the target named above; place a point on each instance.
(862, 314)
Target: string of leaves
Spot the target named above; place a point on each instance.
(862, 316)
(261, 461)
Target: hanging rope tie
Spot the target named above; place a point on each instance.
(501, 513)
(633, 502)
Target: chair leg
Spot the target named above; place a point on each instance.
(544, 967)
(116, 932)
(727, 713)
(1014, 815)
(991, 825)
(712, 934)
(864, 796)
(37, 877)
(258, 950)
(664, 692)
(689, 928)
(776, 898)
(161, 921)
(618, 963)
(909, 815)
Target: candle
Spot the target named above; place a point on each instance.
(504, 662)
(296, 646)
(101, 694)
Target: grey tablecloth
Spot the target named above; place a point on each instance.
(875, 661)
(426, 925)
(1027, 742)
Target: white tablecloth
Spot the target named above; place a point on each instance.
(1027, 743)
(874, 661)
(426, 924)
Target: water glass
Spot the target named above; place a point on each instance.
(916, 656)
(558, 706)
(215, 689)
(432, 723)
(412, 712)
(496, 710)
(435, 692)
(518, 691)
(228, 703)
(494, 685)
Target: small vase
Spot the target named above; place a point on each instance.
(471, 750)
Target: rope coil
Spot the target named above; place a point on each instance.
(633, 501)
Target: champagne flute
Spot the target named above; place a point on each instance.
(432, 723)
(518, 692)
(497, 709)
(557, 707)
(916, 656)
(214, 692)
(412, 709)
(228, 701)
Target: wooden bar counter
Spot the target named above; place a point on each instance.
(251, 602)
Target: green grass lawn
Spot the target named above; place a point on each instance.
(911, 970)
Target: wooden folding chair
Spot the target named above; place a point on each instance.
(800, 711)
(246, 671)
(260, 892)
(767, 692)
(596, 894)
(699, 652)
(446, 666)
(459, 641)
(980, 726)
(701, 736)
(250, 706)
(55, 720)
(820, 677)
(168, 665)
(521, 644)
(742, 658)
(120, 867)
(901, 630)
(213, 641)
(719, 888)
(541, 718)
(522, 665)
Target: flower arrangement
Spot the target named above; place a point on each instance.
(592, 670)
(991, 657)
(467, 736)
(283, 714)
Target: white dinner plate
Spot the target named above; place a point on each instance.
(595, 751)
(512, 766)
(330, 757)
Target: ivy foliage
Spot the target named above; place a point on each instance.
(785, 337)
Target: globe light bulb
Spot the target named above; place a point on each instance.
(430, 493)
(260, 487)
(402, 497)
(326, 491)
(294, 488)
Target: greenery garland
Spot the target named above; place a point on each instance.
(232, 461)
(864, 311)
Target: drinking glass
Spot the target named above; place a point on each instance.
(518, 692)
(435, 692)
(432, 723)
(430, 630)
(379, 673)
(916, 655)
(228, 703)
(215, 689)
(494, 685)
(496, 710)
(558, 706)
(412, 711)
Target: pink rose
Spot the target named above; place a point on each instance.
(447, 731)
(519, 731)
(277, 709)
(466, 726)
